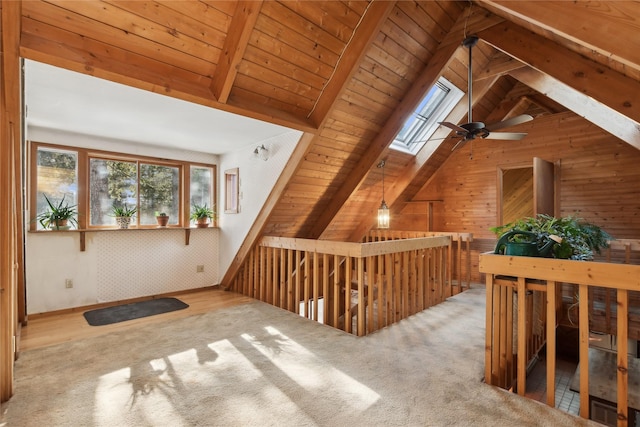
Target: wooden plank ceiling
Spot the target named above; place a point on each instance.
(349, 73)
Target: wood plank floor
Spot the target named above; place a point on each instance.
(53, 329)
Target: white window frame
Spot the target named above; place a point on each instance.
(419, 139)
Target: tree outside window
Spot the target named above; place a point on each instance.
(57, 172)
(115, 179)
(159, 193)
(201, 186)
(111, 183)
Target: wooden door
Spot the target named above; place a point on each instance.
(526, 190)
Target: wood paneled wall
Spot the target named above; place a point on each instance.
(11, 225)
(598, 179)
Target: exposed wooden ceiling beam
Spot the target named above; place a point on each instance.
(607, 86)
(381, 142)
(394, 195)
(469, 22)
(618, 125)
(499, 64)
(364, 35)
(235, 44)
(255, 231)
(507, 109)
(609, 28)
(64, 49)
(545, 103)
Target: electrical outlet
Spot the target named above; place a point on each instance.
(68, 283)
(200, 269)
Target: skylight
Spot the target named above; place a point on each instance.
(434, 107)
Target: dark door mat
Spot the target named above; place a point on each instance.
(134, 310)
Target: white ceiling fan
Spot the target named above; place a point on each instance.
(472, 130)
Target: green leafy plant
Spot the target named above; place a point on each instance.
(580, 239)
(57, 213)
(161, 214)
(201, 211)
(123, 211)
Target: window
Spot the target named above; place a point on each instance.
(423, 122)
(96, 181)
(201, 190)
(159, 193)
(57, 172)
(111, 182)
(114, 182)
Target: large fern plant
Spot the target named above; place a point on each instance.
(580, 239)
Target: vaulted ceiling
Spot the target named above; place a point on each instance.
(348, 73)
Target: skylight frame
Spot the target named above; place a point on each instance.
(434, 107)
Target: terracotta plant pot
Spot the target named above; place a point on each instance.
(202, 222)
(163, 220)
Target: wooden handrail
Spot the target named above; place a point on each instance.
(606, 275)
(356, 250)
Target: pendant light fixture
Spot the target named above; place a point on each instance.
(383, 211)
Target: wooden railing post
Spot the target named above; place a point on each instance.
(551, 343)
(307, 284)
(325, 289)
(347, 294)
(298, 285)
(583, 310)
(622, 358)
(371, 281)
(316, 285)
(361, 312)
(522, 337)
(336, 290)
(489, 333)
(290, 282)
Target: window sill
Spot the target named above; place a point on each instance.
(82, 231)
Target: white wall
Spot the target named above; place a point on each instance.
(53, 136)
(123, 264)
(257, 178)
(117, 264)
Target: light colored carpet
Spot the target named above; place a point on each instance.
(257, 365)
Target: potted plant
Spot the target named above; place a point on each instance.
(57, 216)
(580, 239)
(201, 214)
(123, 214)
(162, 218)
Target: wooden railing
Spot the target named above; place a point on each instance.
(602, 301)
(356, 287)
(460, 265)
(623, 251)
(510, 326)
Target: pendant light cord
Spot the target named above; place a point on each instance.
(381, 165)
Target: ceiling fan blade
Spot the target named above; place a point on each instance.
(515, 136)
(454, 127)
(510, 122)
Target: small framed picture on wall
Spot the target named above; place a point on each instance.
(232, 190)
